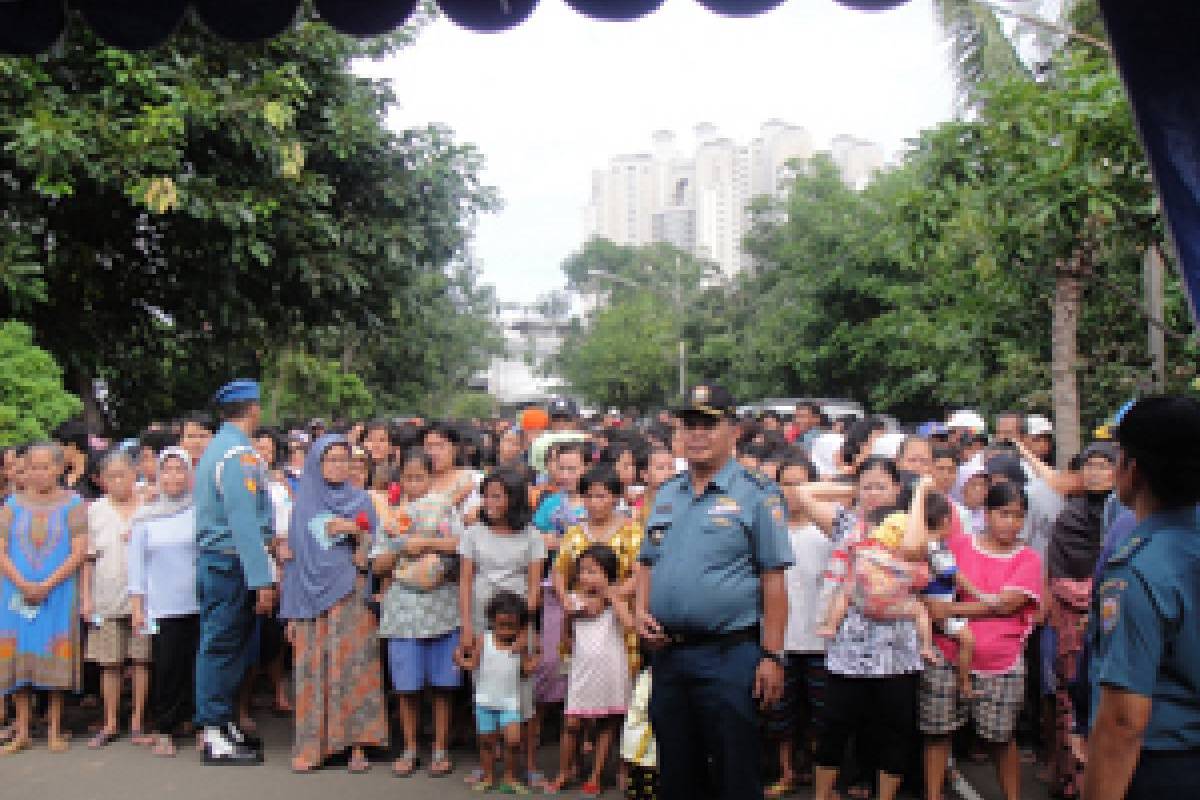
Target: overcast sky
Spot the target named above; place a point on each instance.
(553, 99)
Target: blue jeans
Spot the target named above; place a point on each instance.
(702, 709)
(226, 624)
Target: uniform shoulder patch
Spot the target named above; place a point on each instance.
(1110, 611)
(249, 460)
(1127, 550)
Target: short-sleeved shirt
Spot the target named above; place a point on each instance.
(999, 641)
(108, 544)
(1143, 628)
(811, 549)
(407, 612)
(706, 551)
(502, 562)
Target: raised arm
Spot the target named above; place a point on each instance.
(820, 502)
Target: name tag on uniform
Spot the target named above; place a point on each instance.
(725, 507)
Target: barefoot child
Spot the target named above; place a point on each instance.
(598, 682)
(499, 658)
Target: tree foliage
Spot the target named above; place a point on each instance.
(174, 217)
(932, 287)
(33, 401)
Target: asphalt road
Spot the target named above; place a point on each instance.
(124, 772)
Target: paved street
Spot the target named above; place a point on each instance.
(124, 772)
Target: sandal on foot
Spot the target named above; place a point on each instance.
(482, 786)
(473, 777)
(780, 788)
(140, 738)
(409, 758)
(535, 780)
(302, 766)
(101, 739)
(358, 765)
(515, 787)
(590, 789)
(164, 747)
(59, 744)
(440, 764)
(16, 745)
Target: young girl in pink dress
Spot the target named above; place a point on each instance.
(598, 680)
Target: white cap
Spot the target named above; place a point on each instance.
(1037, 425)
(968, 419)
(887, 444)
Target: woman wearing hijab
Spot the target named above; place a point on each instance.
(339, 684)
(162, 593)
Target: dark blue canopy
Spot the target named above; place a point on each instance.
(1154, 42)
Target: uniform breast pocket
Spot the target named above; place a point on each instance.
(727, 535)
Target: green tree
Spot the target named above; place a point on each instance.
(300, 386)
(33, 401)
(625, 356)
(196, 207)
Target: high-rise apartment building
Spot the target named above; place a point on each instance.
(699, 202)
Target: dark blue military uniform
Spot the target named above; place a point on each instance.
(1144, 638)
(233, 525)
(706, 553)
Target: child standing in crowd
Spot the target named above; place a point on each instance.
(499, 659)
(502, 552)
(598, 682)
(657, 469)
(639, 752)
(112, 640)
(415, 553)
(793, 720)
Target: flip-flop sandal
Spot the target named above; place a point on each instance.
(473, 777)
(781, 788)
(535, 780)
(482, 786)
(101, 739)
(414, 763)
(517, 788)
(15, 746)
(7, 734)
(59, 744)
(590, 789)
(164, 749)
(358, 766)
(438, 759)
(141, 739)
(302, 767)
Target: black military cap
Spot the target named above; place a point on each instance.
(709, 400)
(562, 407)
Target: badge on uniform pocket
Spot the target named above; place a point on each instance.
(656, 535)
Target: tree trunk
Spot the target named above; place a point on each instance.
(1064, 355)
(93, 417)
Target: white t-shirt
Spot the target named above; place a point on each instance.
(108, 545)
(811, 549)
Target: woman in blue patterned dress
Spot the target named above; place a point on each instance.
(43, 542)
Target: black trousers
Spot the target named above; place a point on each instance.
(883, 707)
(1164, 773)
(174, 653)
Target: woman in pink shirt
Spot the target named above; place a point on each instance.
(1008, 578)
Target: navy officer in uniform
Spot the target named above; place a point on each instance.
(1144, 628)
(233, 579)
(711, 598)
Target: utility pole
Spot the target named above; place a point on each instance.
(1152, 278)
(679, 312)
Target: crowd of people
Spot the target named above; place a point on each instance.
(695, 603)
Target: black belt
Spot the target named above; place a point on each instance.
(700, 638)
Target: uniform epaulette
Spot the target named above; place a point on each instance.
(760, 480)
(1126, 551)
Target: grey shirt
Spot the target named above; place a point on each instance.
(501, 562)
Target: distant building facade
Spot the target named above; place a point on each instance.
(699, 202)
(531, 340)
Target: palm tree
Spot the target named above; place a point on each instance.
(983, 51)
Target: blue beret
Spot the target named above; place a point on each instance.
(237, 391)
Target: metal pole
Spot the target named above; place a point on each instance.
(682, 368)
(1152, 274)
(679, 319)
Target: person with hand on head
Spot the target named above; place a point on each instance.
(713, 598)
(233, 576)
(1142, 634)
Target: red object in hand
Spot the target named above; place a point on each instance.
(363, 521)
(394, 494)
